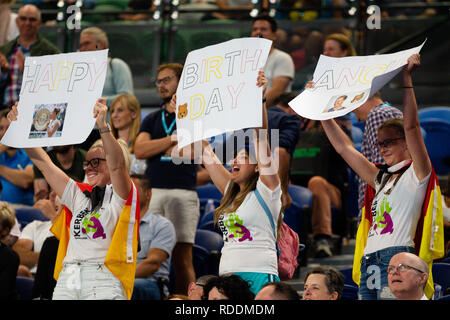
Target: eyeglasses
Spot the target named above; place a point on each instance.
(23, 19)
(94, 163)
(387, 143)
(401, 268)
(165, 80)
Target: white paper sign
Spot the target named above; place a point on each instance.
(217, 91)
(343, 84)
(57, 98)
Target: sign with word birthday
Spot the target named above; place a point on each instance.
(217, 91)
(343, 84)
(57, 98)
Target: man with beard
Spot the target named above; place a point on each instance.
(174, 194)
(67, 158)
(16, 170)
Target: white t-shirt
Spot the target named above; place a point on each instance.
(249, 242)
(37, 231)
(279, 64)
(51, 125)
(395, 215)
(90, 232)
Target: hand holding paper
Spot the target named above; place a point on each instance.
(100, 112)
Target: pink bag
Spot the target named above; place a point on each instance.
(289, 245)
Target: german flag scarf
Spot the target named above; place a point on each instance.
(429, 237)
(122, 252)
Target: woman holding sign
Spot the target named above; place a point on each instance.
(392, 215)
(99, 219)
(249, 243)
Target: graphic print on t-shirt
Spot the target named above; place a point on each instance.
(382, 223)
(234, 229)
(87, 225)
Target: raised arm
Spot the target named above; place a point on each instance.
(268, 168)
(413, 134)
(56, 178)
(344, 146)
(118, 170)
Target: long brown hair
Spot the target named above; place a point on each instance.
(234, 197)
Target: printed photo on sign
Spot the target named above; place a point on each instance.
(48, 120)
(340, 102)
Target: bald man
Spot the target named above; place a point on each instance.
(14, 52)
(407, 276)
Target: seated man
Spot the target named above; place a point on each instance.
(157, 238)
(195, 289)
(277, 291)
(407, 276)
(34, 234)
(16, 170)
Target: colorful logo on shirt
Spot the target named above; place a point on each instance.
(237, 229)
(383, 220)
(91, 226)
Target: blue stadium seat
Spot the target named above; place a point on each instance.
(209, 240)
(447, 297)
(25, 215)
(441, 274)
(357, 135)
(209, 191)
(350, 292)
(207, 217)
(201, 259)
(301, 195)
(210, 226)
(203, 202)
(24, 287)
(437, 137)
(439, 112)
(347, 272)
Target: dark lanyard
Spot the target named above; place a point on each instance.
(163, 119)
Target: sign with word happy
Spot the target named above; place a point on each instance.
(57, 99)
(217, 91)
(343, 84)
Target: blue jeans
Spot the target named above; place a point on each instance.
(374, 278)
(145, 289)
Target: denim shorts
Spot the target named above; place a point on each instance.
(374, 278)
(257, 280)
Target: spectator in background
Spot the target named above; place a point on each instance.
(157, 238)
(277, 291)
(9, 260)
(69, 159)
(174, 193)
(16, 170)
(34, 234)
(195, 289)
(373, 113)
(338, 45)
(407, 276)
(323, 283)
(49, 18)
(125, 123)
(279, 68)
(118, 74)
(8, 26)
(14, 52)
(227, 288)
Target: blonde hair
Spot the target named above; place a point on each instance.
(98, 34)
(7, 217)
(123, 146)
(344, 43)
(132, 103)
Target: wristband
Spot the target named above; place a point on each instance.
(105, 129)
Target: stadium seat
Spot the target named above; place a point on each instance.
(209, 191)
(350, 292)
(439, 112)
(210, 226)
(209, 240)
(25, 215)
(204, 202)
(201, 259)
(447, 297)
(348, 277)
(437, 137)
(24, 287)
(441, 274)
(207, 217)
(301, 195)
